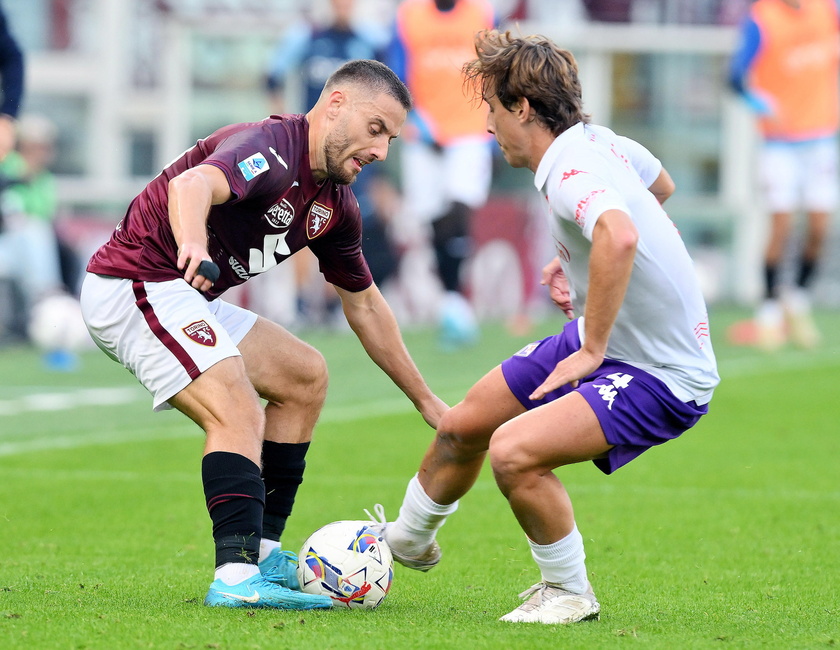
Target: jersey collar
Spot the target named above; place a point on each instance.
(553, 153)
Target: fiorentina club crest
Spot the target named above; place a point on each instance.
(316, 222)
(201, 332)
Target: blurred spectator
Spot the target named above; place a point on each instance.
(786, 68)
(446, 150)
(309, 53)
(11, 82)
(29, 253)
(609, 11)
(305, 57)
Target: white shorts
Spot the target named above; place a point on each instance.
(800, 175)
(165, 333)
(433, 179)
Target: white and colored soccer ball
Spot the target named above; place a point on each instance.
(349, 562)
(56, 323)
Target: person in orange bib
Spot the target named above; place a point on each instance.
(446, 155)
(786, 68)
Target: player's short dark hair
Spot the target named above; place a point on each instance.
(532, 67)
(373, 75)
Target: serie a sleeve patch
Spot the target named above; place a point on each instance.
(253, 166)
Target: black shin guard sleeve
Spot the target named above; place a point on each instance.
(771, 281)
(805, 272)
(283, 466)
(235, 496)
(451, 241)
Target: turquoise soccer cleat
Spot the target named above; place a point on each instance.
(257, 592)
(280, 567)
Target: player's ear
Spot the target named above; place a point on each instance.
(523, 110)
(335, 101)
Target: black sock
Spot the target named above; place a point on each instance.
(771, 279)
(806, 272)
(452, 243)
(283, 465)
(235, 497)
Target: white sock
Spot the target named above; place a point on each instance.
(266, 546)
(562, 563)
(233, 573)
(419, 520)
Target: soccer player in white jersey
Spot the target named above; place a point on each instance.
(632, 369)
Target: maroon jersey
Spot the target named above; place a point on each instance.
(277, 208)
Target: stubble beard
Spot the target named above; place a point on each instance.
(334, 146)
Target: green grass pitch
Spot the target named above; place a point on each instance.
(726, 538)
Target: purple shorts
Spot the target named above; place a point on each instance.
(635, 409)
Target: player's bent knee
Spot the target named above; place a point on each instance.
(318, 378)
(311, 389)
(456, 433)
(507, 459)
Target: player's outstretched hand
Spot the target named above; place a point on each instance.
(433, 410)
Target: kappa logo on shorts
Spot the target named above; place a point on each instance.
(609, 392)
(316, 222)
(201, 332)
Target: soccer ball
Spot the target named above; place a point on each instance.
(56, 324)
(349, 562)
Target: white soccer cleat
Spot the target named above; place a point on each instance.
(770, 332)
(424, 561)
(553, 605)
(803, 330)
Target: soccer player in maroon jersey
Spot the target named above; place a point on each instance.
(239, 202)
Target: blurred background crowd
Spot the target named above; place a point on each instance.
(114, 89)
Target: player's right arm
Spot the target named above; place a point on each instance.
(614, 240)
(191, 195)
(374, 324)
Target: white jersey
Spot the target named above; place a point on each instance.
(662, 326)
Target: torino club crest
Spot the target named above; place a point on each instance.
(201, 332)
(317, 220)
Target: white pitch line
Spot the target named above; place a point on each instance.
(61, 401)
(114, 437)
(55, 401)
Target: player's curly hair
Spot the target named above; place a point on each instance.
(374, 76)
(532, 67)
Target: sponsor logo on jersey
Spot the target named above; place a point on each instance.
(280, 215)
(316, 222)
(253, 166)
(237, 268)
(201, 332)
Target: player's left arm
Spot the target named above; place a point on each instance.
(663, 187)
(374, 323)
(614, 240)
